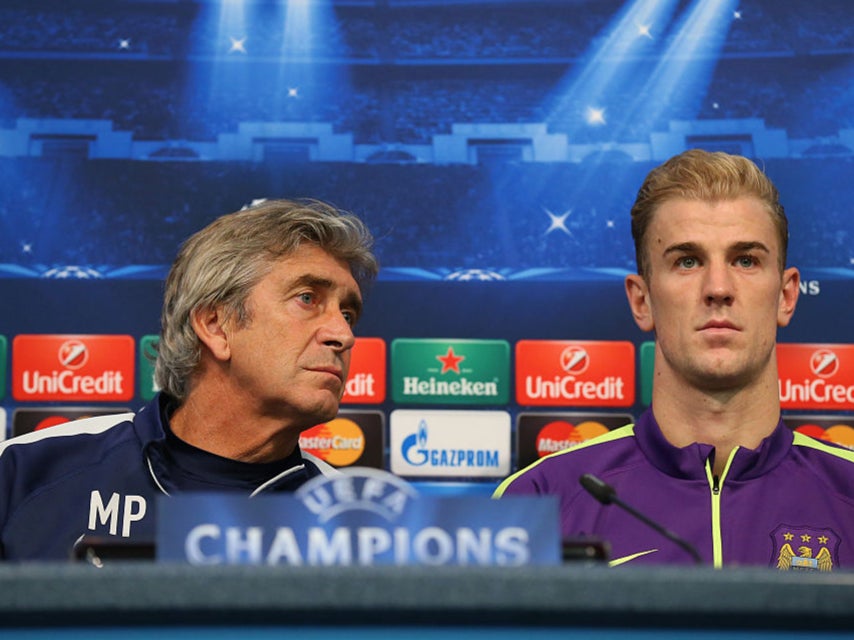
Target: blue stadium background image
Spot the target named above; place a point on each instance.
(493, 147)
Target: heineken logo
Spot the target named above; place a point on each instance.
(434, 371)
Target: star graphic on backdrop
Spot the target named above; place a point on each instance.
(558, 222)
(450, 361)
(643, 30)
(788, 536)
(610, 224)
(806, 537)
(124, 44)
(238, 45)
(293, 92)
(822, 539)
(595, 115)
(736, 15)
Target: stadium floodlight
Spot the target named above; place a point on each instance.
(680, 79)
(596, 79)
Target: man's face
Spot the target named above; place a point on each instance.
(292, 357)
(713, 293)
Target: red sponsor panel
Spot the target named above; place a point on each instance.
(575, 373)
(73, 367)
(816, 376)
(366, 383)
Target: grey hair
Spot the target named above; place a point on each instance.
(218, 267)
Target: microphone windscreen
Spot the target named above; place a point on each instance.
(604, 493)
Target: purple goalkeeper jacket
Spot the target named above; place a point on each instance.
(788, 504)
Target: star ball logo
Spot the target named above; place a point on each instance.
(431, 371)
(575, 373)
(816, 376)
(73, 367)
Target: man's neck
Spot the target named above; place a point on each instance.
(723, 419)
(229, 429)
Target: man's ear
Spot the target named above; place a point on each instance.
(789, 292)
(209, 325)
(637, 293)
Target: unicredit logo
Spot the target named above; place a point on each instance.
(73, 354)
(824, 363)
(56, 367)
(574, 360)
(816, 376)
(366, 383)
(583, 373)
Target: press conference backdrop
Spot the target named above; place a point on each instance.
(494, 148)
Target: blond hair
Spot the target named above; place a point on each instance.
(709, 177)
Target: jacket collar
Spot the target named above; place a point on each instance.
(690, 462)
(149, 426)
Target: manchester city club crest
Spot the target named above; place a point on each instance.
(802, 548)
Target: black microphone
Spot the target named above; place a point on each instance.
(606, 494)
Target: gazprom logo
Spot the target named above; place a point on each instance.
(415, 446)
(450, 443)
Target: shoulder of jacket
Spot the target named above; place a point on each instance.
(86, 426)
(807, 442)
(324, 467)
(545, 465)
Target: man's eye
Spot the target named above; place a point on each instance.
(746, 261)
(350, 317)
(687, 262)
(306, 298)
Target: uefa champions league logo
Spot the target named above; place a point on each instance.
(474, 275)
(72, 272)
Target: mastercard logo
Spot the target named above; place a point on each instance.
(339, 442)
(560, 435)
(840, 434)
(52, 421)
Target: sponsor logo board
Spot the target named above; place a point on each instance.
(450, 444)
(73, 367)
(575, 373)
(541, 434)
(430, 371)
(147, 356)
(647, 369)
(353, 438)
(816, 376)
(366, 383)
(836, 429)
(3, 361)
(28, 420)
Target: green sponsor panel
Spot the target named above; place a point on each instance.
(431, 371)
(147, 354)
(3, 367)
(647, 364)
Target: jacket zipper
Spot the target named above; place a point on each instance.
(716, 485)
